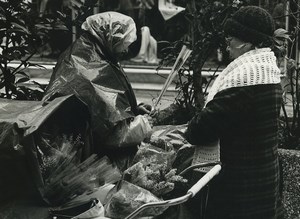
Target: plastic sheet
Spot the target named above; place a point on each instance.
(129, 133)
(152, 170)
(89, 70)
(115, 29)
(70, 178)
(19, 122)
(128, 198)
(148, 154)
(90, 209)
(173, 136)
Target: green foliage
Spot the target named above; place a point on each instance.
(289, 131)
(205, 20)
(23, 32)
(290, 121)
(19, 38)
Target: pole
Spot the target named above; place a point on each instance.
(287, 21)
(297, 36)
(96, 8)
(182, 57)
(73, 26)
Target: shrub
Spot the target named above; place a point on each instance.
(19, 38)
(205, 20)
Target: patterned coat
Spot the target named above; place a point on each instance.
(245, 119)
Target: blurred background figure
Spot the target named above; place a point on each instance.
(148, 50)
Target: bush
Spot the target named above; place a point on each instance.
(20, 38)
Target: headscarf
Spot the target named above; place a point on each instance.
(114, 30)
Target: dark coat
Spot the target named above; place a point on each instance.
(245, 119)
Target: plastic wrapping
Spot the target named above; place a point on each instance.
(169, 134)
(128, 198)
(187, 154)
(51, 143)
(152, 170)
(129, 133)
(148, 154)
(173, 136)
(107, 104)
(89, 70)
(89, 209)
(19, 122)
(117, 30)
(71, 178)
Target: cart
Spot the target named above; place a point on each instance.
(203, 181)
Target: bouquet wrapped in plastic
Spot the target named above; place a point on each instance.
(65, 176)
(152, 170)
(128, 198)
(169, 136)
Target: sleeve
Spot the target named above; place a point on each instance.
(219, 116)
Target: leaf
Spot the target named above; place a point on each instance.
(22, 73)
(44, 26)
(281, 34)
(60, 27)
(280, 31)
(18, 26)
(40, 85)
(16, 31)
(22, 80)
(35, 65)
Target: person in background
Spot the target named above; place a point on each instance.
(59, 36)
(89, 69)
(278, 15)
(148, 3)
(241, 112)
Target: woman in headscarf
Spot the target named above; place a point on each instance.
(90, 70)
(242, 111)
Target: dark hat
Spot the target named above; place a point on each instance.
(251, 24)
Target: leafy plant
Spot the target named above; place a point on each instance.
(23, 32)
(290, 120)
(205, 20)
(19, 40)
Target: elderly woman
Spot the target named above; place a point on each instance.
(242, 111)
(90, 70)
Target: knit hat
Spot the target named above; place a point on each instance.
(251, 24)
